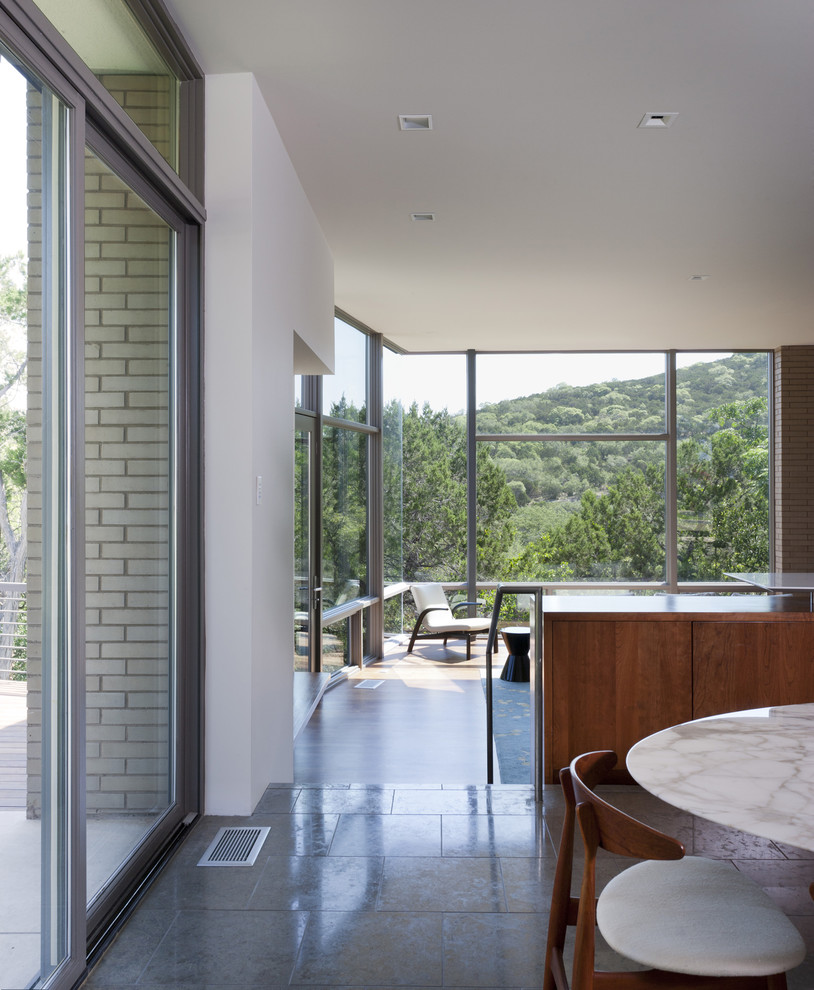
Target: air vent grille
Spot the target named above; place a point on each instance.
(234, 846)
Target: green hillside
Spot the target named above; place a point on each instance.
(580, 509)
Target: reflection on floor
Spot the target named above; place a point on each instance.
(403, 882)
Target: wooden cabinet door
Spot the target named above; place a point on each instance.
(613, 683)
(739, 665)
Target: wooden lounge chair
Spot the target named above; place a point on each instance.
(437, 618)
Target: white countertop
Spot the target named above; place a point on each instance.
(751, 770)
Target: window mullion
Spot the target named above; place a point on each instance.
(670, 478)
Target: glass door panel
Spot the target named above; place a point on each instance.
(36, 664)
(307, 585)
(129, 535)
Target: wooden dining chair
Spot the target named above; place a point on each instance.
(693, 922)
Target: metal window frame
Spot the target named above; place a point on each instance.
(365, 643)
(669, 438)
(97, 119)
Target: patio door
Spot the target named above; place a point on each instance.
(307, 574)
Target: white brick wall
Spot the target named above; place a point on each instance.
(127, 498)
(127, 477)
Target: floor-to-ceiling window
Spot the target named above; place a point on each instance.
(37, 672)
(604, 470)
(99, 481)
(334, 435)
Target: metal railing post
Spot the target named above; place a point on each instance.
(535, 592)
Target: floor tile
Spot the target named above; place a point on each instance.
(230, 947)
(528, 883)
(782, 873)
(125, 960)
(495, 835)
(278, 800)
(297, 835)
(186, 886)
(354, 801)
(453, 802)
(437, 884)
(318, 883)
(720, 842)
(341, 949)
(387, 835)
(792, 852)
(493, 950)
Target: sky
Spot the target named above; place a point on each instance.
(440, 379)
(12, 160)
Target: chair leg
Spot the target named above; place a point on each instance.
(413, 637)
(468, 646)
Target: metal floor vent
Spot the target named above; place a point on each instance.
(234, 846)
(369, 685)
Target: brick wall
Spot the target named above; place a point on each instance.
(794, 459)
(150, 102)
(34, 459)
(127, 487)
(127, 456)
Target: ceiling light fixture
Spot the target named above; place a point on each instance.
(657, 120)
(698, 278)
(415, 121)
(422, 216)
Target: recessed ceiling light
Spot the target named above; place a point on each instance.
(657, 120)
(698, 278)
(415, 121)
(422, 216)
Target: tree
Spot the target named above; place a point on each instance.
(13, 482)
(618, 534)
(723, 493)
(434, 500)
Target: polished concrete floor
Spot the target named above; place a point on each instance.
(412, 883)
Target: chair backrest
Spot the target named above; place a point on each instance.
(605, 827)
(617, 831)
(431, 596)
(564, 907)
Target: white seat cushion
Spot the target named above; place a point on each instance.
(444, 624)
(698, 916)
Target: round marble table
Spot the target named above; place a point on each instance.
(751, 770)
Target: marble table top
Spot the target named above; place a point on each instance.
(750, 770)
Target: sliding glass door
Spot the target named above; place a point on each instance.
(130, 693)
(38, 660)
(100, 572)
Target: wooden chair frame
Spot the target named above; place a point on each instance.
(467, 634)
(606, 827)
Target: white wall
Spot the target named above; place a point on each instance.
(269, 276)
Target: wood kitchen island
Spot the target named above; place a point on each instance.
(618, 668)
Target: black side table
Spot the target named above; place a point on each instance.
(517, 640)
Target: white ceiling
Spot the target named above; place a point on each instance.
(560, 224)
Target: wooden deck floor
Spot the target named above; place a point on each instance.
(417, 719)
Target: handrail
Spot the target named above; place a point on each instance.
(347, 609)
(536, 592)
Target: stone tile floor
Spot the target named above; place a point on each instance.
(379, 886)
